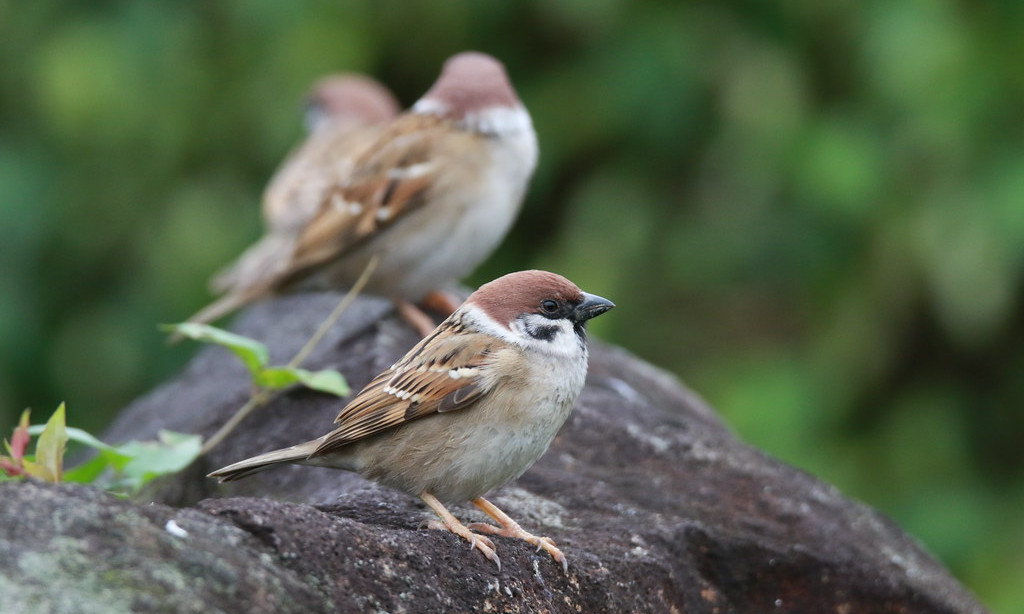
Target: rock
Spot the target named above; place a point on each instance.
(74, 549)
(655, 502)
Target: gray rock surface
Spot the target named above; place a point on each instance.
(657, 505)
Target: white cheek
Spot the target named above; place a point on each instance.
(563, 341)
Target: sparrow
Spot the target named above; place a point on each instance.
(342, 111)
(470, 408)
(343, 114)
(431, 197)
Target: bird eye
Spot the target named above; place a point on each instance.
(549, 306)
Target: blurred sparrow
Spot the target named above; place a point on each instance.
(344, 113)
(468, 409)
(338, 110)
(431, 196)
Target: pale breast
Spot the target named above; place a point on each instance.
(462, 455)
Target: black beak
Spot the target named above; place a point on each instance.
(591, 307)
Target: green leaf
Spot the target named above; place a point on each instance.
(150, 459)
(87, 472)
(251, 352)
(95, 471)
(328, 381)
(34, 469)
(90, 472)
(117, 458)
(50, 448)
(276, 378)
(78, 436)
(126, 467)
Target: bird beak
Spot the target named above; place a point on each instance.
(592, 306)
(314, 116)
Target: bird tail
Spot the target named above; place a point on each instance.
(249, 466)
(259, 265)
(219, 308)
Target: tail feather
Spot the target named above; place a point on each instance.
(268, 460)
(258, 266)
(219, 308)
(253, 276)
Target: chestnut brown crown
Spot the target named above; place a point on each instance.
(350, 95)
(470, 82)
(532, 292)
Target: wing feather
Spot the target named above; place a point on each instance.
(390, 180)
(446, 371)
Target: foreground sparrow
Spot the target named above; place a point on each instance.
(344, 113)
(431, 196)
(468, 409)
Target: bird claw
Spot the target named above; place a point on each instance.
(477, 541)
(506, 527)
(513, 530)
(480, 539)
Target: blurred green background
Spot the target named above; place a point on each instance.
(812, 212)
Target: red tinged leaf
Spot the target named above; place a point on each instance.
(10, 468)
(20, 439)
(14, 465)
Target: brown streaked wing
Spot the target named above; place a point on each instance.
(418, 385)
(327, 158)
(390, 180)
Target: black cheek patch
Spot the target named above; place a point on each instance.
(544, 333)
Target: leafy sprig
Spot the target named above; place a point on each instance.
(255, 356)
(123, 468)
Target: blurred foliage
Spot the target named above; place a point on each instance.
(810, 211)
(256, 358)
(122, 469)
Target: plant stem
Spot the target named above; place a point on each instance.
(263, 395)
(326, 325)
(259, 398)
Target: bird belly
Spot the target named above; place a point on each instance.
(462, 455)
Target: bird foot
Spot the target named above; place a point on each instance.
(416, 317)
(480, 542)
(451, 523)
(437, 301)
(542, 543)
(441, 302)
(468, 534)
(510, 528)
